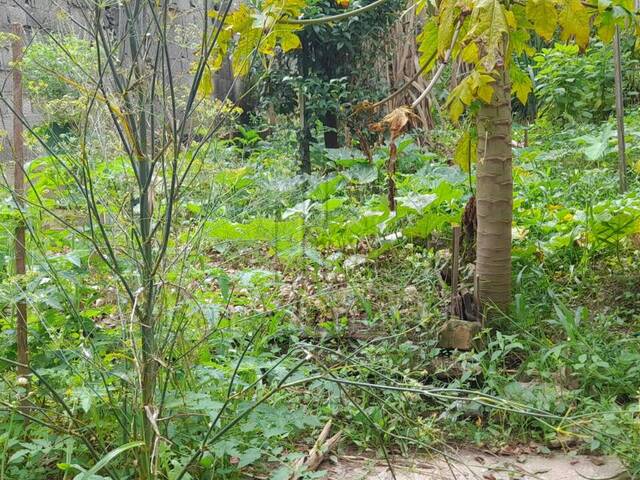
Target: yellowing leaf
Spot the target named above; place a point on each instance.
(543, 15)
(574, 20)
(521, 84)
(466, 153)
(278, 8)
(485, 93)
(606, 26)
(470, 53)
(221, 50)
(489, 31)
(282, 34)
(481, 86)
(289, 41)
(606, 31)
(257, 30)
(628, 5)
(460, 97)
(464, 91)
(520, 42)
(205, 88)
(511, 19)
(456, 109)
(476, 85)
(241, 19)
(428, 45)
(446, 21)
(245, 49)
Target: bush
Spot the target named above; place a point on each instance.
(54, 77)
(579, 87)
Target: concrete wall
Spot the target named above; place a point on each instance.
(63, 16)
(9, 14)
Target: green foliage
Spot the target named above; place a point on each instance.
(55, 77)
(336, 67)
(51, 73)
(306, 261)
(575, 86)
(293, 299)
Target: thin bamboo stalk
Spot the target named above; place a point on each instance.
(617, 61)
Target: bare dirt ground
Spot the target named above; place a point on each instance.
(468, 464)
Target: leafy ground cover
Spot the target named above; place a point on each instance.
(307, 300)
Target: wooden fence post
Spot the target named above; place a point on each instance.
(455, 267)
(22, 346)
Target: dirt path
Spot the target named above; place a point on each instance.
(467, 464)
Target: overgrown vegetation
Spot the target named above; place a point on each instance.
(199, 308)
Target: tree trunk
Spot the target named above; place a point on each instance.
(495, 199)
(331, 134)
(304, 135)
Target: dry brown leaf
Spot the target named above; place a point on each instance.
(396, 121)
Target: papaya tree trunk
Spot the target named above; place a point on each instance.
(495, 199)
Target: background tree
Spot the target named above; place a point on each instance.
(338, 64)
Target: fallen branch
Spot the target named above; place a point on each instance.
(312, 460)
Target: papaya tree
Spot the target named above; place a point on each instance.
(487, 35)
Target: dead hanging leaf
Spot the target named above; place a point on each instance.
(396, 122)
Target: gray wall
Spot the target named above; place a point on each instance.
(59, 16)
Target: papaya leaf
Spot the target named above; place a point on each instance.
(544, 16)
(466, 152)
(574, 20)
